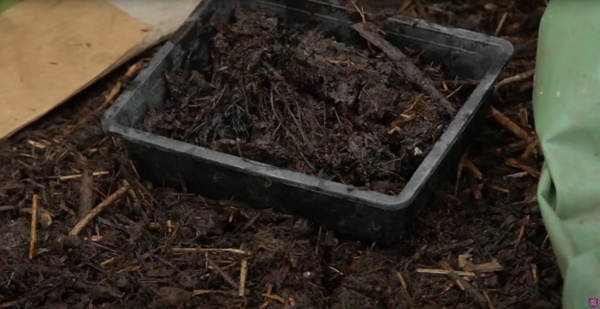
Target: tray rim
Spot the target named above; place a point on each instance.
(304, 181)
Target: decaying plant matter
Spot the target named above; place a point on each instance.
(306, 102)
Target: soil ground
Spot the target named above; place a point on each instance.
(141, 251)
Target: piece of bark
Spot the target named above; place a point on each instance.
(406, 67)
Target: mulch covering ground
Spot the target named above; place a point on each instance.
(480, 244)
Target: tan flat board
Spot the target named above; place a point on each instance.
(51, 49)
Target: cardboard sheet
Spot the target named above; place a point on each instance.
(51, 49)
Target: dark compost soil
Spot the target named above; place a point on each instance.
(304, 102)
(140, 252)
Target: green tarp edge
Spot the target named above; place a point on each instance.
(566, 106)
(6, 4)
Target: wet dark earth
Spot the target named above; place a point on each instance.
(479, 244)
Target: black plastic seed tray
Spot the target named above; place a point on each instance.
(366, 215)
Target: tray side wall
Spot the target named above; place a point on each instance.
(218, 182)
(461, 53)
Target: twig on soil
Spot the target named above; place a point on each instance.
(534, 273)
(489, 301)
(134, 169)
(267, 300)
(501, 23)
(9, 304)
(407, 69)
(107, 262)
(275, 297)
(472, 177)
(474, 186)
(251, 221)
(418, 99)
(528, 169)
(444, 272)
(134, 69)
(463, 284)
(436, 9)
(204, 250)
(514, 79)
(404, 286)
(497, 188)
(98, 209)
(523, 117)
(86, 196)
(473, 169)
(517, 175)
(136, 201)
(6, 208)
(223, 274)
(243, 275)
(466, 264)
(453, 93)
(521, 232)
(128, 269)
(134, 181)
(75, 176)
(34, 221)
(401, 279)
(114, 92)
(531, 149)
(317, 245)
(397, 125)
(510, 125)
(202, 292)
(459, 169)
(468, 288)
(361, 12)
(37, 144)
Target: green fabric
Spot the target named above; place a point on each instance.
(566, 106)
(6, 4)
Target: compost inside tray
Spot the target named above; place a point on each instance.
(306, 102)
